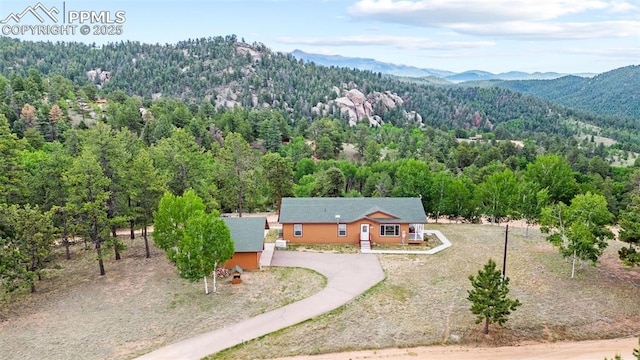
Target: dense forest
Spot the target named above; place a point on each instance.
(612, 93)
(82, 156)
(225, 71)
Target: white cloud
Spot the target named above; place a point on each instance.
(622, 7)
(400, 42)
(615, 52)
(552, 30)
(325, 51)
(533, 19)
(441, 12)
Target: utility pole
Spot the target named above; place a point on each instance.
(504, 258)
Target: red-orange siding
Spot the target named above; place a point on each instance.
(328, 233)
(246, 260)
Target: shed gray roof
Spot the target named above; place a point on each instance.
(324, 210)
(247, 232)
(237, 269)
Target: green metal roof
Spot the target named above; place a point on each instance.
(325, 210)
(247, 232)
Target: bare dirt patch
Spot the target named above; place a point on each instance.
(583, 350)
(140, 305)
(423, 301)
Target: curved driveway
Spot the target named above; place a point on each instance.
(348, 275)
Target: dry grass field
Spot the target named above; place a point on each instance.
(140, 305)
(423, 300)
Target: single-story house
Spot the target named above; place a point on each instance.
(248, 238)
(352, 220)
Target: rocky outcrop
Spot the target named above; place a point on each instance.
(244, 49)
(355, 106)
(226, 97)
(388, 99)
(100, 75)
(412, 116)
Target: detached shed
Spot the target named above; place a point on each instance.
(236, 274)
(248, 238)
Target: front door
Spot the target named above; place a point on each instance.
(364, 232)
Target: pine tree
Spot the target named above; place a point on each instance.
(185, 165)
(28, 115)
(111, 153)
(278, 172)
(55, 114)
(88, 200)
(26, 242)
(630, 232)
(147, 187)
(11, 171)
(489, 296)
(270, 134)
(238, 172)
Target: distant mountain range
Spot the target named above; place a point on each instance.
(412, 71)
(369, 64)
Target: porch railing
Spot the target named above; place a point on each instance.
(416, 232)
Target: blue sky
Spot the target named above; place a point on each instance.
(567, 36)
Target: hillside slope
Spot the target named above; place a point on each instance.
(616, 92)
(226, 72)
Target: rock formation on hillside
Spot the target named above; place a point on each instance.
(356, 106)
(244, 48)
(102, 76)
(226, 97)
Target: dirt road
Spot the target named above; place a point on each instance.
(584, 350)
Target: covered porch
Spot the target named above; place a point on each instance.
(415, 235)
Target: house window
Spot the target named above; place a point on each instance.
(297, 230)
(342, 229)
(389, 230)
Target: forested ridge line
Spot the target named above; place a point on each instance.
(226, 71)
